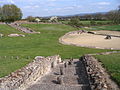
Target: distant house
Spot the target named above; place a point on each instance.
(37, 20)
(53, 19)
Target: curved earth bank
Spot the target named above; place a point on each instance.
(96, 40)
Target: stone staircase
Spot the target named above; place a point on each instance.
(74, 78)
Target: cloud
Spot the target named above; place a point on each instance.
(7, 1)
(11, 1)
(101, 3)
(104, 3)
(31, 7)
(51, 0)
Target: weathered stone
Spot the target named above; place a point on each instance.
(39, 57)
(16, 35)
(61, 71)
(95, 73)
(23, 29)
(52, 64)
(1, 35)
(65, 64)
(60, 80)
(36, 69)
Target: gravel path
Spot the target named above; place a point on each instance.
(74, 78)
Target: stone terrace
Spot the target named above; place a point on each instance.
(74, 78)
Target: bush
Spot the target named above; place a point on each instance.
(100, 23)
(30, 19)
(75, 23)
(92, 22)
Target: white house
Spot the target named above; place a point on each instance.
(53, 19)
(37, 20)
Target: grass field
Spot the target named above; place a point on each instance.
(112, 64)
(5, 29)
(44, 44)
(87, 23)
(113, 27)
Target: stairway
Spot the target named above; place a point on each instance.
(74, 78)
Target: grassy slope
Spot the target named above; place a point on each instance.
(112, 64)
(5, 29)
(113, 27)
(44, 44)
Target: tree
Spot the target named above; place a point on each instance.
(92, 22)
(114, 16)
(98, 16)
(75, 22)
(0, 13)
(31, 19)
(88, 17)
(10, 13)
(119, 8)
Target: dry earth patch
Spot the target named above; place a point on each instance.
(93, 40)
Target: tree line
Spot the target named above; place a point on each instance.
(10, 13)
(112, 16)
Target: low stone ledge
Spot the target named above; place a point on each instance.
(31, 72)
(98, 78)
(16, 35)
(105, 53)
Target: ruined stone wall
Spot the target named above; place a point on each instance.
(20, 28)
(31, 72)
(98, 78)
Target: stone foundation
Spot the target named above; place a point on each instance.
(31, 72)
(98, 78)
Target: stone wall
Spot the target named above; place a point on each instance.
(31, 72)
(98, 78)
(23, 29)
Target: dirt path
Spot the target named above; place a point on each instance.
(74, 78)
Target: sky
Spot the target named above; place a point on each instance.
(62, 7)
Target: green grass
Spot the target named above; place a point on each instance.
(87, 23)
(5, 29)
(112, 64)
(112, 27)
(43, 44)
(8, 65)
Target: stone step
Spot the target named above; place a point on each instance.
(52, 79)
(58, 87)
(74, 78)
(67, 79)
